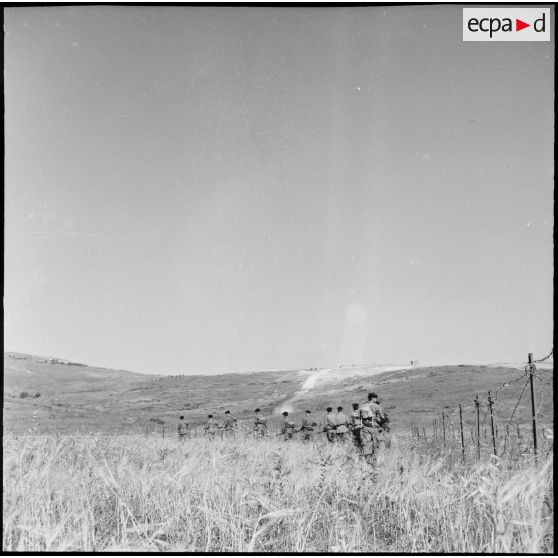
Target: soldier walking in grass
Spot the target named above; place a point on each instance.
(356, 425)
(211, 427)
(308, 424)
(183, 429)
(260, 424)
(229, 425)
(372, 416)
(287, 426)
(342, 423)
(329, 426)
(383, 423)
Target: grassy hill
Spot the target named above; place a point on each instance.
(79, 398)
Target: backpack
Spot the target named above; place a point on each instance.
(383, 420)
(366, 412)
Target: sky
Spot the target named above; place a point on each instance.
(221, 189)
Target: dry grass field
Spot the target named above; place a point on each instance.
(93, 464)
(131, 493)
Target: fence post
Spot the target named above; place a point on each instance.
(477, 405)
(444, 427)
(424, 433)
(492, 424)
(533, 410)
(462, 438)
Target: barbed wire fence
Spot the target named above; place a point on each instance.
(489, 430)
(455, 427)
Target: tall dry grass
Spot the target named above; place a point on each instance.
(132, 493)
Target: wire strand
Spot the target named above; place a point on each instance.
(546, 357)
(506, 437)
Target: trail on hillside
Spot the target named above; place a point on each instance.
(307, 385)
(330, 375)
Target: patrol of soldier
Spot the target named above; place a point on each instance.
(233, 233)
(368, 427)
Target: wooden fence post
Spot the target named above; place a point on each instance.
(462, 438)
(533, 410)
(444, 427)
(477, 405)
(492, 424)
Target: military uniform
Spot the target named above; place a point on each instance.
(383, 425)
(372, 416)
(342, 423)
(308, 424)
(287, 428)
(183, 430)
(260, 426)
(356, 426)
(211, 428)
(229, 426)
(329, 427)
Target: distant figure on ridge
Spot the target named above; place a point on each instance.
(342, 423)
(308, 424)
(260, 424)
(183, 429)
(329, 426)
(211, 427)
(287, 426)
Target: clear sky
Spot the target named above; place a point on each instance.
(213, 189)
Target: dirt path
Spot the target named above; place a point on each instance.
(307, 385)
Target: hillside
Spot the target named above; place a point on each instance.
(78, 398)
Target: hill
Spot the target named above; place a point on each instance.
(79, 398)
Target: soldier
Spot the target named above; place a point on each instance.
(329, 426)
(342, 423)
(356, 425)
(229, 425)
(287, 427)
(307, 428)
(382, 415)
(183, 429)
(211, 427)
(260, 424)
(383, 423)
(371, 415)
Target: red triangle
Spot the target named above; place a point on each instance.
(519, 25)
